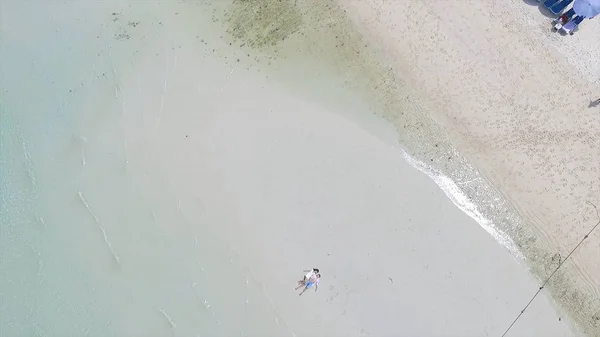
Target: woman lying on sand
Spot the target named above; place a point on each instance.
(312, 280)
(311, 273)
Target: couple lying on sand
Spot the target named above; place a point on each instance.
(310, 279)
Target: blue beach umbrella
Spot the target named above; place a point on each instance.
(587, 8)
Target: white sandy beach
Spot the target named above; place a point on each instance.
(514, 97)
(166, 173)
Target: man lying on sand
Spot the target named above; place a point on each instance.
(313, 280)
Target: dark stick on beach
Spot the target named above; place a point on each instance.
(555, 270)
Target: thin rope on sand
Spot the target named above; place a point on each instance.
(560, 264)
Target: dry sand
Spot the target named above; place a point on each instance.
(197, 156)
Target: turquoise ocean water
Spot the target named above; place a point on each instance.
(62, 252)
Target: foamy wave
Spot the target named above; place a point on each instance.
(464, 203)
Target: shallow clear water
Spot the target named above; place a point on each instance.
(85, 249)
